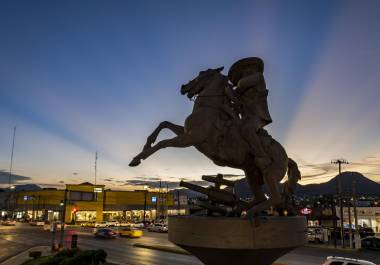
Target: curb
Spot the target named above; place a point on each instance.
(174, 250)
(12, 259)
(4, 259)
(332, 248)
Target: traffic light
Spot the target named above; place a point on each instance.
(74, 210)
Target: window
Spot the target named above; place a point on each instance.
(75, 195)
(87, 196)
(81, 196)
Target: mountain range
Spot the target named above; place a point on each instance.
(364, 186)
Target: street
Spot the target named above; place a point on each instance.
(121, 250)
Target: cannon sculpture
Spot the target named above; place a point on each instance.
(219, 201)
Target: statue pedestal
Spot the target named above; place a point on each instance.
(229, 240)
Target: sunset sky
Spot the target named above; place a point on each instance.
(78, 77)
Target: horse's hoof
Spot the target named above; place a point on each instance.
(135, 162)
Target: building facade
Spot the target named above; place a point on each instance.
(367, 217)
(89, 203)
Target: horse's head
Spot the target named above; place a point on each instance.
(195, 86)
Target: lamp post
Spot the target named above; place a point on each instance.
(11, 187)
(145, 195)
(63, 219)
(340, 162)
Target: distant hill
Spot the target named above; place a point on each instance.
(364, 186)
(27, 187)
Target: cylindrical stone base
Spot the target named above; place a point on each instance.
(229, 241)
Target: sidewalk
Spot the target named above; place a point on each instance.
(24, 255)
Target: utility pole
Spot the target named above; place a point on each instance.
(333, 210)
(10, 189)
(95, 166)
(167, 202)
(349, 219)
(357, 235)
(179, 203)
(145, 193)
(340, 162)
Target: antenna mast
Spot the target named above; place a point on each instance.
(11, 165)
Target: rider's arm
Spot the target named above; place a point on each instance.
(248, 82)
(231, 95)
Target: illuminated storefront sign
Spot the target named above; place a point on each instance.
(306, 211)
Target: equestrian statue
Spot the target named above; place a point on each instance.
(227, 125)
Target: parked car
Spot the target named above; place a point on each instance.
(346, 261)
(88, 224)
(161, 228)
(130, 232)
(8, 222)
(346, 231)
(124, 224)
(112, 223)
(317, 234)
(105, 233)
(371, 242)
(366, 231)
(58, 224)
(138, 225)
(37, 223)
(100, 224)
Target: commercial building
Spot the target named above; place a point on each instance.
(367, 217)
(88, 202)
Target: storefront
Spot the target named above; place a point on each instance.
(367, 217)
(91, 203)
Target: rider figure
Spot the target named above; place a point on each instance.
(250, 100)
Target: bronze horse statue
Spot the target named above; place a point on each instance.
(213, 128)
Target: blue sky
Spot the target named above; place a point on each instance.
(83, 76)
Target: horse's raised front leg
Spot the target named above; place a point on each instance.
(177, 129)
(183, 140)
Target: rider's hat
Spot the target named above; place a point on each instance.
(234, 74)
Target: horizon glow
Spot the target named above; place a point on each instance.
(76, 78)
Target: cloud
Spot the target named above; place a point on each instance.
(164, 184)
(4, 177)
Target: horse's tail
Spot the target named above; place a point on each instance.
(294, 175)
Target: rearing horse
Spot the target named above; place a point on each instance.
(213, 129)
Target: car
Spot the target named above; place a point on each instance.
(8, 223)
(112, 223)
(124, 224)
(130, 232)
(88, 224)
(371, 242)
(58, 224)
(332, 260)
(100, 224)
(161, 228)
(366, 231)
(317, 234)
(105, 233)
(37, 223)
(138, 225)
